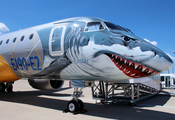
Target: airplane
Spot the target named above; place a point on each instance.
(80, 48)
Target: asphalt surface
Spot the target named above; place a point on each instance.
(26, 103)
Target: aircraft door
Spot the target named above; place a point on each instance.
(56, 40)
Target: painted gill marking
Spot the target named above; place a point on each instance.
(69, 51)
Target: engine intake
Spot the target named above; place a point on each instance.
(45, 84)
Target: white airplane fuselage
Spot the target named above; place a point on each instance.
(81, 48)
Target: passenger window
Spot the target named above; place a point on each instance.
(31, 36)
(22, 38)
(1, 42)
(94, 26)
(7, 41)
(14, 40)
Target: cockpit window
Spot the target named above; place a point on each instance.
(112, 26)
(94, 26)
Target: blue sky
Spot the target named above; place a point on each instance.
(149, 19)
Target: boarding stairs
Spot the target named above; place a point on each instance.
(129, 91)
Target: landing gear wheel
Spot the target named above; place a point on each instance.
(102, 102)
(2, 87)
(81, 104)
(73, 106)
(9, 88)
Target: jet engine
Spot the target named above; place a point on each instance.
(45, 84)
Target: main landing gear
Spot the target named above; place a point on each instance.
(6, 87)
(76, 105)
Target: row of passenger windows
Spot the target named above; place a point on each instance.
(14, 40)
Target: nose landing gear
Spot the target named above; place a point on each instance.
(76, 105)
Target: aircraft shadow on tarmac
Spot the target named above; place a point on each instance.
(157, 100)
(113, 111)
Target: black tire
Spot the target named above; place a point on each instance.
(102, 102)
(9, 88)
(81, 105)
(73, 106)
(2, 87)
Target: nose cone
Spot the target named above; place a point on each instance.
(159, 60)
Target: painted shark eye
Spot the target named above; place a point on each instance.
(127, 39)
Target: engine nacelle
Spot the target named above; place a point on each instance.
(45, 84)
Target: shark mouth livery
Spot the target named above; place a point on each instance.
(130, 68)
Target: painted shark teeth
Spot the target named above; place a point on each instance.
(130, 68)
(143, 69)
(130, 63)
(136, 65)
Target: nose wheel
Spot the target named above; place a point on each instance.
(76, 105)
(81, 105)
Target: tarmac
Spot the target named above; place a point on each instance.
(26, 103)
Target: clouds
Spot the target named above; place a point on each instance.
(3, 28)
(152, 42)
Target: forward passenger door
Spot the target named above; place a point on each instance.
(56, 39)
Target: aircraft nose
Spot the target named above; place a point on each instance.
(167, 62)
(160, 60)
(163, 54)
